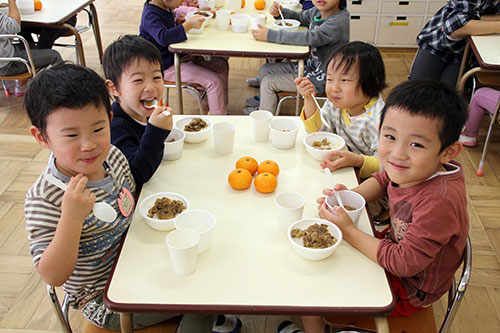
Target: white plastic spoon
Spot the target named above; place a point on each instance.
(317, 104)
(102, 210)
(336, 193)
(154, 104)
(282, 18)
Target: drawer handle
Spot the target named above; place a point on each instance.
(357, 2)
(401, 18)
(404, 3)
(355, 17)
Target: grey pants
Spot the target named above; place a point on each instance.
(275, 77)
(430, 67)
(99, 315)
(41, 58)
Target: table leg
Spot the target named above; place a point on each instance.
(97, 31)
(465, 60)
(381, 324)
(178, 82)
(126, 323)
(301, 74)
(79, 44)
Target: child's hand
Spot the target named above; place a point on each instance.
(305, 87)
(274, 9)
(77, 201)
(192, 3)
(340, 218)
(160, 120)
(341, 159)
(194, 22)
(181, 18)
(260, 34)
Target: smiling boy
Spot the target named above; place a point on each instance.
(133, 70)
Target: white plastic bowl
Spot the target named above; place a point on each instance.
(350, 198)
(239, 22)
(157, 224)
(173, 149)
(310, 253)
(283, 132)
(290, 25)
(205, 23)
(194, 137)
(289, 4)
(336, 141)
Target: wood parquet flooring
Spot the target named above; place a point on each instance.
(24, 305)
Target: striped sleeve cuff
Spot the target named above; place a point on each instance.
(312, 124)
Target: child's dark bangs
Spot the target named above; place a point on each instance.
(343, 63)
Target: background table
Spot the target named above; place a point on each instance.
(215, 42)
(486, 49)
(55, 12)
(251, 268)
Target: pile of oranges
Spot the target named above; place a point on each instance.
(265, 181)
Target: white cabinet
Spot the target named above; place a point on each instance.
(390, 23)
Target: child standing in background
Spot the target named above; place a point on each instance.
(158, 26)
(355, 77)
(328, 23)
(133, 71)
(484, 100)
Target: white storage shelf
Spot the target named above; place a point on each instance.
(390, 23)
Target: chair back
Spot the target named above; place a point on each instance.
(456, 293)
(30, 65)
(60, 310)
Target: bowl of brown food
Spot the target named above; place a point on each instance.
(160, 210)
(319, 145)
(196, 128)
(287, 24)
(314, 238)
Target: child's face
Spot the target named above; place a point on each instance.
(79, 139)
(409, 147)
(167, 4)
(141, 81)
(343, 91)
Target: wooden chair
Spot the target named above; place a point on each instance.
(168, 326)
(30, 65)
(195, 88)
(422, 321)
(284, 95)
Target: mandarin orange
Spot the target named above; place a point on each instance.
(265, 182)
(259, 4)
(240, 179)
(38, 5)
(249, 163)
(269, 166)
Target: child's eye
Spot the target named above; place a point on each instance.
(71, 135)
(98, 130)
(416, 144)
(137, 81)
(389, 137)
(158, 78)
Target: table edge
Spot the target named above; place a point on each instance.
(28, 23)
(245, 54)
(482, 63)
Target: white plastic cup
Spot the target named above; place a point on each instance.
(173, 149)
(203, 4)
(200, 220)
(222, 17)
(259, 122)
(239, 22)
(26, 7)
(289, 208)
(283, 132)
(350, 198)
(183, 250)
(257, 19)
(224, 137)
(235, 5)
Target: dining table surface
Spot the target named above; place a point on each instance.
(215, 42)
(251, 267)
(55, 13)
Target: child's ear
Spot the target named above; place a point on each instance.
(39, 137)
(451, 152)
(113, 90)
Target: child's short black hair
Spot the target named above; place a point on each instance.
(431, 99)
(64, 85)
(370, 65)
(120, 54)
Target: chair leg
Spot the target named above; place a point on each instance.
(280, 102)
(487, 142)
(62, 315)
(194, 90)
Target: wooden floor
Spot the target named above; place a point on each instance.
(24, 305)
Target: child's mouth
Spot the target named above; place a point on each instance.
(321, 3)
(149, 103)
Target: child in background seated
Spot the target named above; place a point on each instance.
(328, 23)
(69, 109)
(132, 67)
(158, 27)
(355, 77)
(419, 130)
(11, 24)
(484, 100)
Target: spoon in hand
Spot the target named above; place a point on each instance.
(336, 193)
(154, 104)
(102, 210)
(317, 105)
(282, 18)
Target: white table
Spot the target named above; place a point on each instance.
(215, 42)
(55, 12)
(250, 268)
(486, 49)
